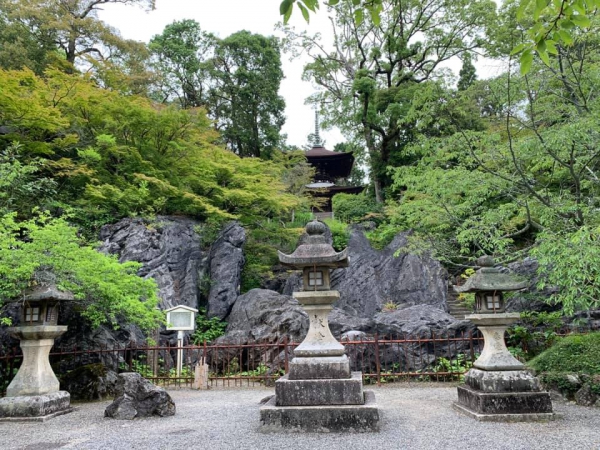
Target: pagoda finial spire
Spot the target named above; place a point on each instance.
(318, 141)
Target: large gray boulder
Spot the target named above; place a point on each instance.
(171, 252)
(226, 263)
(263, 315)
(137, 397)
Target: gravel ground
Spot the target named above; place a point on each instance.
(413, 417)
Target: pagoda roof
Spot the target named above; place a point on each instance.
(335, 164)
(332, 190)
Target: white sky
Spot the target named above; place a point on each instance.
(224, 17)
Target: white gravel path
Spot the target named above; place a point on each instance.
(414, 416)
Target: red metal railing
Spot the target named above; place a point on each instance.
(380, 360)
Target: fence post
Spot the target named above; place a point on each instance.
(285, 355)
(377, 364)
(471, 348)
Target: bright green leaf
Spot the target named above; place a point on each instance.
(526, 60)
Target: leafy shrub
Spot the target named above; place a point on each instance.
(531, 341)
(260, 251)
(339, 233)
(381, 236)
(354, 208)
(207, 329)
(575, 353)
(108, 289)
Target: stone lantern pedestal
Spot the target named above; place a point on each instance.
(319, 393)
(498, 388)
(33, 394)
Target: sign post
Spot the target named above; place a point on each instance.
(181, 318)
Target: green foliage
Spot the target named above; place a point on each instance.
(550, 24)
(207, 329)
(117, 155)
(21, 186)
(571, 260)
(369, 94)
(339, 233)
(461, 365)
(574, 353)
(260, 250)
(383, 235)
(354, 208)
(107, 289)
(236, 79)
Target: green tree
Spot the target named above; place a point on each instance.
(107, 289)
(116, 155)
(245, 102)
(21, 48)
(235, 79)
(180, 55)
(375, 67)
(467, 74)
(73, 26)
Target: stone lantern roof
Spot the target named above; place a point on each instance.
(315, 250)
(489, 278)
(42, 292)
(47, 292)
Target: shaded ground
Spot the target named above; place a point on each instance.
(414, 416)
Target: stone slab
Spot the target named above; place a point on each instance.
(319, 368)
(35, 407)
(504, 402)
(502, 381)
(319, 392)
(325, 419)
(538, 417)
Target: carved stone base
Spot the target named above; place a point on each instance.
(319, 392)
(356, 418)
(319, 368)
(34, 408)
(504, 402)
(502, 381)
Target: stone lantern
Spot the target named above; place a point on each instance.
(498, 387)
(320, 393)
(34, 392)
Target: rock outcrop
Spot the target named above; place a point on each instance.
(375, 278)
(226, 263)
(169, 250)
(137, 397)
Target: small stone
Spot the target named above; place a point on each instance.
(573, 379)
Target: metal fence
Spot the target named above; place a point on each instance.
(381, 359)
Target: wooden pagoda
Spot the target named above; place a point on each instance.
(330, 167)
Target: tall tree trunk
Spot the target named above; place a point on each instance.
(373, 155)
